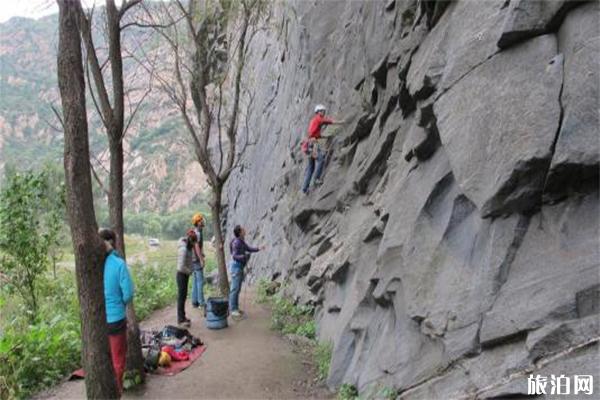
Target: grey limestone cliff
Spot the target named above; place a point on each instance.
(453, 247)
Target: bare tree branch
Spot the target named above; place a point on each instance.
(98, 180)
(220, 106)
(96, 69)
(232, 126)
(58, 116)
(150, 25)
(207, 67)
(134, 112)
(90, 86)
(127, 5)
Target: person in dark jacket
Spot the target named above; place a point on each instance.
(118, 292)
(240, 253)
(185, 250)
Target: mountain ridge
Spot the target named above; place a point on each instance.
(161, 173)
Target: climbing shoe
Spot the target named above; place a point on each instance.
(236, 314)
(318, 182)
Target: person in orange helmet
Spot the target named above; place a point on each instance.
(198, 260)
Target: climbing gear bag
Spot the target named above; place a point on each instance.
(305, 146)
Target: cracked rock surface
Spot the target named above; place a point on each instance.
(454, 242)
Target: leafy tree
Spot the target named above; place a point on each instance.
(30, 219)
(152, 227)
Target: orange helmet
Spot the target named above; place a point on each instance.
(197, 218)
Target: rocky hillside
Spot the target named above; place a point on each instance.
(161, 174)
(453, 248)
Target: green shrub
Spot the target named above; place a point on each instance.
(210, 262)
(378, 392)
(289, 318)
(307, 329)
(39, 356)
(155, 288)
(29, 223)
(262, 296)
(347, 392)
(35, 356)
(387, 393)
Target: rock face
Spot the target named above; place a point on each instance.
(453, 247)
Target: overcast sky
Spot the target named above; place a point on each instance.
(34, 8)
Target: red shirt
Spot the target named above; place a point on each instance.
(316, 123)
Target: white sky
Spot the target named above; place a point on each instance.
(34, 8)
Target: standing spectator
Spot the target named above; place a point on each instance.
(118, 292)
(184, 270)
(198, 259)
(240, 253)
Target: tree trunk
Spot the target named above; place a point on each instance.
(115, 192)
(88, 247)
(135, 359)
(215, 208)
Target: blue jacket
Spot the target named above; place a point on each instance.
(118, 287)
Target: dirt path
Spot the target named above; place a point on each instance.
(245, 361)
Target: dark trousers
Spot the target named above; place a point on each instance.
(182, 289)
(310, 168)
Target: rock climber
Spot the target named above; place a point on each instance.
(118, 292)
(185, 253)
(198, 260)
(240, 253)
(314, 148)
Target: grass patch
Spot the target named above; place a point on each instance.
(322, 357)
(347, 392)
(387, 393)
(289, 318)
(374, 391)
(262, 291)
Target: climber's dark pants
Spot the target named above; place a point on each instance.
(310, 169)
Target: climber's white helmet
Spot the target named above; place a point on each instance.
(320, 107)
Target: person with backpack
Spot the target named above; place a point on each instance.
(198, 260)
(185, 253)
(240, 254)
(118, 292)
(314, 149)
